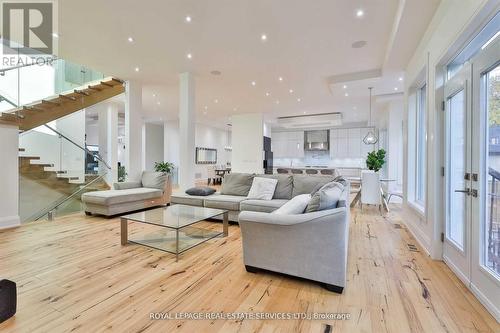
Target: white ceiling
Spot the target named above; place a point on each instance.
(308, 43)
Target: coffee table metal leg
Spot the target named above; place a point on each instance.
(177, 245)
(124, 231)
(225, 224)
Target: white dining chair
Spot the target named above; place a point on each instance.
(370, 189)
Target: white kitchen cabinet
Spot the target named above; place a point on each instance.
(354, 142)
(334, 143)
(288, 144)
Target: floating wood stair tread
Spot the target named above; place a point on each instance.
(51, 108)
(30, 157)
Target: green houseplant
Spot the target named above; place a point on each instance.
(122, 174)
(165, 167)
(375, 160)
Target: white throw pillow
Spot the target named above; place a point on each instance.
(262, 188)
(296, 205)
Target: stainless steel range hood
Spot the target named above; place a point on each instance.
(317, 140)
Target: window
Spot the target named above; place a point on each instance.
(417, 145)
(420, 147)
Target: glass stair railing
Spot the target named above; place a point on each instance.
(38, 88)
(55, 169)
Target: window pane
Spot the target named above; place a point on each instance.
(491, 227)
(456, 168)
(421, 147)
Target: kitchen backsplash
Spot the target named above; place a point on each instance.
(319, 158)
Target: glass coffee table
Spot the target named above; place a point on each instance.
(177, 232)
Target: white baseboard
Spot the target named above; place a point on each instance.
(461, 276)
(486, 302)
(10, 222)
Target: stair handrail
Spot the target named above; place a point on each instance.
(97, 156)
(60, 202)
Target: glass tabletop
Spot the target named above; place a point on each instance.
(176, 216)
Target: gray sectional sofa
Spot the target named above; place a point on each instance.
(312, 245)
(235, 188)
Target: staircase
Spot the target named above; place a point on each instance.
(41, 112)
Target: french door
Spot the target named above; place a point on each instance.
(472, 175)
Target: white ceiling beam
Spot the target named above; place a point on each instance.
(395, 28)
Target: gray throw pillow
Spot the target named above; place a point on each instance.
(237, 184)
(154, 179)
(201, 191)
(326, 197)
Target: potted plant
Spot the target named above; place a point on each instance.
(375, 160)
(122, 174)
(165, 167)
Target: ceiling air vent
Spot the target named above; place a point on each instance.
(320, 120)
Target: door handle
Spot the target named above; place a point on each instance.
(466, 191)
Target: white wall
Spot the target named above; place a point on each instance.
(248, 142)
(448, 31)
(153, 145)
(9, 182)
(205, 136)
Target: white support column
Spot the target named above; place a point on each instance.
(186, 130)
(108, 142)
(134, 154)
(247, 141)
(9, 182)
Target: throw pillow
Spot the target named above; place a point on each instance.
(296, 205)
(262, 188)
(237, 184)
(326, 197)
(200, 191)
(154, 179)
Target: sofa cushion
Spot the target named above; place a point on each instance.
(154, 179)
(229, 202)
(262, 188)
(284, 187)
(200, 190)
(237, 184)
(126, 185)
(297, 205)
(112, 197)
(303, 184)
(190, 200)
(265, 206)
(326, 198)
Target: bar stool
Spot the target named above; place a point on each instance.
(284, 171)
(297, 171)
(326, 172)
(311, 171)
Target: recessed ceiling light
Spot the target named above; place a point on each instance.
(400, 79)
(277, 102)
(280, 78)
(189, 56)
(234, 109)
(345, 87)
(206, 107)
(267, 94)
(290, 91)
(354, 108)
(188, 19)
(216, 101)
(137, 69)
(305, 112)
(55, 35)
(130, 39)
(360, 13)
(253, 83)
(298, 99)
(396, 88)
(158, 103)
(154, 95)
(346, 94)
(358, 44)
(204, 112)
(263, 37)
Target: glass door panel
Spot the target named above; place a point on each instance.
(491, 223)
(457, 169)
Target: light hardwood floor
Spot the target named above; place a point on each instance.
(73, 275)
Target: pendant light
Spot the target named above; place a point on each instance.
(370, 138)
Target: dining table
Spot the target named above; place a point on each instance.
(383, 194)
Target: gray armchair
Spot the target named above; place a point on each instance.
(312, 246)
